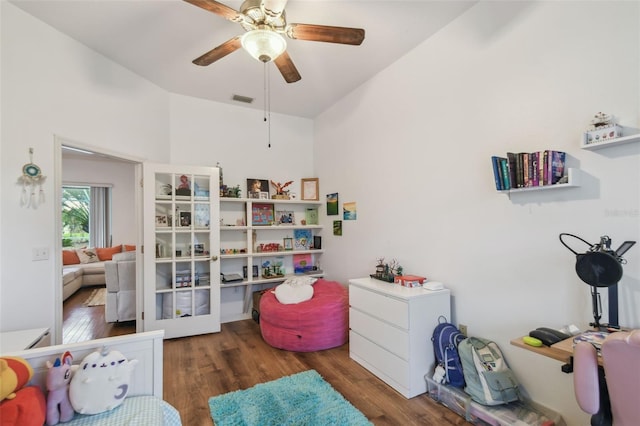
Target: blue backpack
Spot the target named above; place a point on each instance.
(446, 338)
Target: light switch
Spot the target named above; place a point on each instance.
(40, 253)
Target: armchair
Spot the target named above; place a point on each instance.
(120, 276)
(620, 376)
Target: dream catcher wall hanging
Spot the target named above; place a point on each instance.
(31, 181)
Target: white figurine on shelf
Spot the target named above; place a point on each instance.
(601, 120)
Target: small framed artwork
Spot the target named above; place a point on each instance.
(255, 187)
(285, 217)
(337, 227)
(310, 189)
(263, 195)
(161, 220)
(185, 218)
(288, 243)
(262, 214)
(332, 204)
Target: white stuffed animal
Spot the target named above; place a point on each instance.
(101, 382)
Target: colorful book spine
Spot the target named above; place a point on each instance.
(497, 174)
(504, 169)
(557, 166)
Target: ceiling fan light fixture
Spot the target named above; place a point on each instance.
(264, 45)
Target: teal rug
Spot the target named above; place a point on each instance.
(301, 399)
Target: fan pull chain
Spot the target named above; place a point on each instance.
(267, 102)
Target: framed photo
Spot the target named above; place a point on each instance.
(285, 217)
(255, 271)
(255, 187)
(185, 218)
(263, 195)
(332, 204)
(288, 243)
(262, 214)
(310, 189)
(161, 220)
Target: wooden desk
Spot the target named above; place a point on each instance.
(561, 351)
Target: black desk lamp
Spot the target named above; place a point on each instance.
(600, 266)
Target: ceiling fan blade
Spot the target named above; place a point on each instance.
(219, 52)
(219, 9)
(273, 8)
(286, 67)
(342, 35)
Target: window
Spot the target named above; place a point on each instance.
(86, 216)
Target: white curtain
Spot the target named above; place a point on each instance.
(100, 217)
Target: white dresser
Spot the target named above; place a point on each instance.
(391, 328)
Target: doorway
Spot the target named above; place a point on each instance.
(81, 164)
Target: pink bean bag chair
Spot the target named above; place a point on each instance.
(319, 323)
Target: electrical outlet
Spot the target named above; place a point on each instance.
(463, 329)
(40, 253)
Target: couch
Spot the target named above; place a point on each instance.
(81, 275)
(120, 275)
(85, 267)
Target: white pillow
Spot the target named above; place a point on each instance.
(288, 294)
(301, 280)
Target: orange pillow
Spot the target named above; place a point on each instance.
(129, 248)
(107, 253)
(70, 257)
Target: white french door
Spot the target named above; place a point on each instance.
(181, 248)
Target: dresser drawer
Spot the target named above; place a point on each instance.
(387, 366)
(391, 338)
(386, 308)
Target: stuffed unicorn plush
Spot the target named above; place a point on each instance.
(59, 407)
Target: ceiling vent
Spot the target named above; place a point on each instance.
(244, 99)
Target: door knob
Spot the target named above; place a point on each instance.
(214, 258)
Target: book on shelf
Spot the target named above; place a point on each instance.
(557, 166)
(497, 173)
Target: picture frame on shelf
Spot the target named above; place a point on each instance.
(302, 239)
(183, 187)
(310, 189)
(185, 218)
(254, 273)
(285, 217)
(263, 195)
(255, 188)
(262, 214)
(288, 243)
(162, 221)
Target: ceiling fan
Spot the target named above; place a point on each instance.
(265, 23)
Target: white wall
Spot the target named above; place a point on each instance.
(412, 147)
(120, 176)
(52, 85)
(205, 133)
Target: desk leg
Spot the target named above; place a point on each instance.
(603, 417)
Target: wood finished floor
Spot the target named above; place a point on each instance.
(81, 323)
(199, 367)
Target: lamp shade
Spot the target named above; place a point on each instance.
(264, 45)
